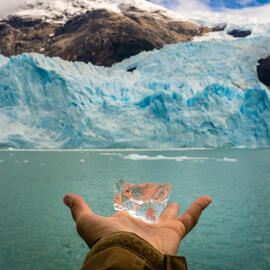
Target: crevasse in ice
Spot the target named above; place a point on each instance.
(145, 201)
(184, 95)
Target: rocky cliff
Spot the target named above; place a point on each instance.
(101, 37)
(263, 70)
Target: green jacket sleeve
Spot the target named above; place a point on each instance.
(128, 251)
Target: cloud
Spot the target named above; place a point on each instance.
(7, 6)
(191, 5)
(254, 10)
(261, 13)
(184, 5)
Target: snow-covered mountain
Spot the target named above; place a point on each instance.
(62, 10)
(104, 32)
(99, 31)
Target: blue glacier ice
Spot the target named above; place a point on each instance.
(3, 60)
(185, 95)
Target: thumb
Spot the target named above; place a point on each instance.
(191, 217)
(77, 205)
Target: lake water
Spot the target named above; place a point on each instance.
(37, 231)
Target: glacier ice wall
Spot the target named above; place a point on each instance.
(184, 95)
(3, 60)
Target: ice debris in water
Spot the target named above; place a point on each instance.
(144, 201)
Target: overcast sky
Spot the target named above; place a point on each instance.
(254, 8)
(8, 5)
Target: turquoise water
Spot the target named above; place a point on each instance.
(37, 231)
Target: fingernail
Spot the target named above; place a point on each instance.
(67, 200)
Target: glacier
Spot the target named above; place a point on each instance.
(195, 94)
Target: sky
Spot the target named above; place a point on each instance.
(216, 5)
(258, 9)
(255, 8)
(7, 6)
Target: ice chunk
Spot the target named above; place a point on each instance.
(145, 201)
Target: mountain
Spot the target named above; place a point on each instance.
(101, 32)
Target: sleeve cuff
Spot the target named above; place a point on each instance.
(139, 247)
(131, 242)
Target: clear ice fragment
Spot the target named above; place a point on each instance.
(145, 201)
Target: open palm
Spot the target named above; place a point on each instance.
(165, 235)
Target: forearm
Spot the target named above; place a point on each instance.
(127, 251)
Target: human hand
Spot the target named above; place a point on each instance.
(165, 235)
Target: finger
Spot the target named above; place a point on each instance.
(191, 217)
(171, 212)
(77, 205)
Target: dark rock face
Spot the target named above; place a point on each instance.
(263, 70)
(19, 22)
(18, 36)
(239, 33)
(131, 69)
(219, 28)
(99, 36)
